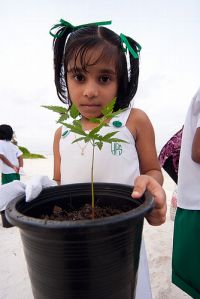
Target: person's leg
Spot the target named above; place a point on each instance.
(186, 252)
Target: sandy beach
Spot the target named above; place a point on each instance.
(14, 280)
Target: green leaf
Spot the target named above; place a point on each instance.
(109, 135)
(74, 111)
(109, 108)
(79, 139)
(87, 139)
(116, 140)
(97, 129)
(57, 109)
(62, 118)
(95, 120)
(113, 114)
(97, 137)
(77, 123)
(99, 144)
(74, 129)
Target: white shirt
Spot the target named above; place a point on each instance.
(115, 163)
(11, 152)
(189, 171)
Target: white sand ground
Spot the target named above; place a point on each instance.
(14, 280)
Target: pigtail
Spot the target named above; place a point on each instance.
(128, 70)
(59, 68)
(133, 71)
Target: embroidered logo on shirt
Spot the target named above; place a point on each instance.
(116, 148)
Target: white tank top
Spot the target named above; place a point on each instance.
(114, 163)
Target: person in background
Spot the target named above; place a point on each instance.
(169, 161)
(10, 155)
(186, 241)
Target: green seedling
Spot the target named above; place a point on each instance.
(93, 136)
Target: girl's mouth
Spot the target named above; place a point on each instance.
(94, 110)
(91, 106)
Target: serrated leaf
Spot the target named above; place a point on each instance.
(74, 111)
(75, 129)
(97, 137)
(109, 135)
(99, 144)
(77, 123)
(57, 109)
(97, 129)
(62, 118)
(109, 108)
(79, 139)
(113, 114)
(87, 139)
(117, 112)
(95, 120)
(116, 140)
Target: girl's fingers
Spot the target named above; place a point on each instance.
(158, 215)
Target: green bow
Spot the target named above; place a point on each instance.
(124, 40)
(128, 46)
(66, 24)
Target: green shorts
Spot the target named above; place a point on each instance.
(186, 252)
(7, 178)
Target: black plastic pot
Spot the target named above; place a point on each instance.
(83, 259)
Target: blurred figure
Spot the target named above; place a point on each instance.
(186, 243)
(10, 155)
(169, 155)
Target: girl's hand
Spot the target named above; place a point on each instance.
(16, 169)
(145, 182)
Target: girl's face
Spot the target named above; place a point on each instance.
(94, 88)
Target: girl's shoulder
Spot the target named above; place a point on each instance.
(138, 114)
(137, 120)
(129, 114)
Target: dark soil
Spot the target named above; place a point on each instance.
(83, 213)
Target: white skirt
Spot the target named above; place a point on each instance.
(143, 288)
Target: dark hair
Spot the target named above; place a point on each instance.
(6, 132)
(93, 37)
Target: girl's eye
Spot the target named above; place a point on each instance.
(79, 77)
(104, 79)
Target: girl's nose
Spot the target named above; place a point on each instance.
(90, 90)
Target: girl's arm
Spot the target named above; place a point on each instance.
(56, 153)
(143, 132)
(7, 162)
(151, 177)
(196, 146)
(21, 161)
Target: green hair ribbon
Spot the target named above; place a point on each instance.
(66, 24)
(128, 46)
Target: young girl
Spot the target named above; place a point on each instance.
(10, 155)
(93, 65)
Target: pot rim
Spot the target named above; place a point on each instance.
(20, 220)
